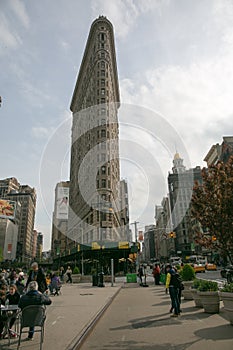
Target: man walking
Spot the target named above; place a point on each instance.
(36, 274)
(173, 290)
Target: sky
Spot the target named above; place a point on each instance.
(175, 71)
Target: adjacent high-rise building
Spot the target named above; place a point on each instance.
(94, 201)
(24, 198)
(60, 240)
(220, 152)
(180, 184)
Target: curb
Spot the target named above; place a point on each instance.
(78, 341)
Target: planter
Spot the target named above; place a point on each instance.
(76, 278)
(227, 299)
(187, 292)
(210, 301)
(196, 298)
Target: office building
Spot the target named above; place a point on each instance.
(94, 199)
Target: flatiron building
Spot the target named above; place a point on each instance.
(95, 212)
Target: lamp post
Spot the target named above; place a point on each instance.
(82, 253)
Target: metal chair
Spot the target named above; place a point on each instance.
(32, 316)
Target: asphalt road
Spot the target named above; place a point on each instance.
(212, 275)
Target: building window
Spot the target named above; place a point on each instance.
(102, 64)
(103, 183)
(102, 73)
(102, 91)
(103, 170)
(102, 36)
(103, 216)
(103, 157)
(103, 133)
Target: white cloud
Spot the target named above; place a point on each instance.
(8, 38)
(65, 45)
(41, 132)
(123, 13)
(19, 9)
(190, 97)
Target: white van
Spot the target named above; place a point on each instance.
(175, 260)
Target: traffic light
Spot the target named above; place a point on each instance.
(214, 238)
(172, 234)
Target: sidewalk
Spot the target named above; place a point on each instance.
(139, 319)
(135, 318)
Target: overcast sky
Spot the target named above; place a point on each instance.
(175, 66)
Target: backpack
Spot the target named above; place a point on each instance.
(176, 281)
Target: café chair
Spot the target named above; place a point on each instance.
(32, 316)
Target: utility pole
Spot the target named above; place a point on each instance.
(136, 240)
(135, 229)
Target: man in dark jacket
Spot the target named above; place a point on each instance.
(33, 297)
(173, 290)
(36, 274)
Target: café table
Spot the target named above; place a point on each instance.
(7, 312)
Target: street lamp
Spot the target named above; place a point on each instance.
(82, 264)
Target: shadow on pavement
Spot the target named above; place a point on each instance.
(222, 332)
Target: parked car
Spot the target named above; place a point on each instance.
(210, 267)
(227, 272)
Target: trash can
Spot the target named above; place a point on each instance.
(131, 278)
(163, 278)
(101, 279)
(94, 280)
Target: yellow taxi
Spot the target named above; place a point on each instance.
(199, 267)
(210, 267)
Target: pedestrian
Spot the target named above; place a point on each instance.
(55, 284)
(68, 274)
(156, 274)
(12, 297)
(20, 283)
(61, 273)
(140, 273)
(3, 281)
(36, 274)
(12, 278)
(173, 291)
(33, 297)
(3, 292)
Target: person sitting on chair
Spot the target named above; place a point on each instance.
(33, 297)
(13, 298)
